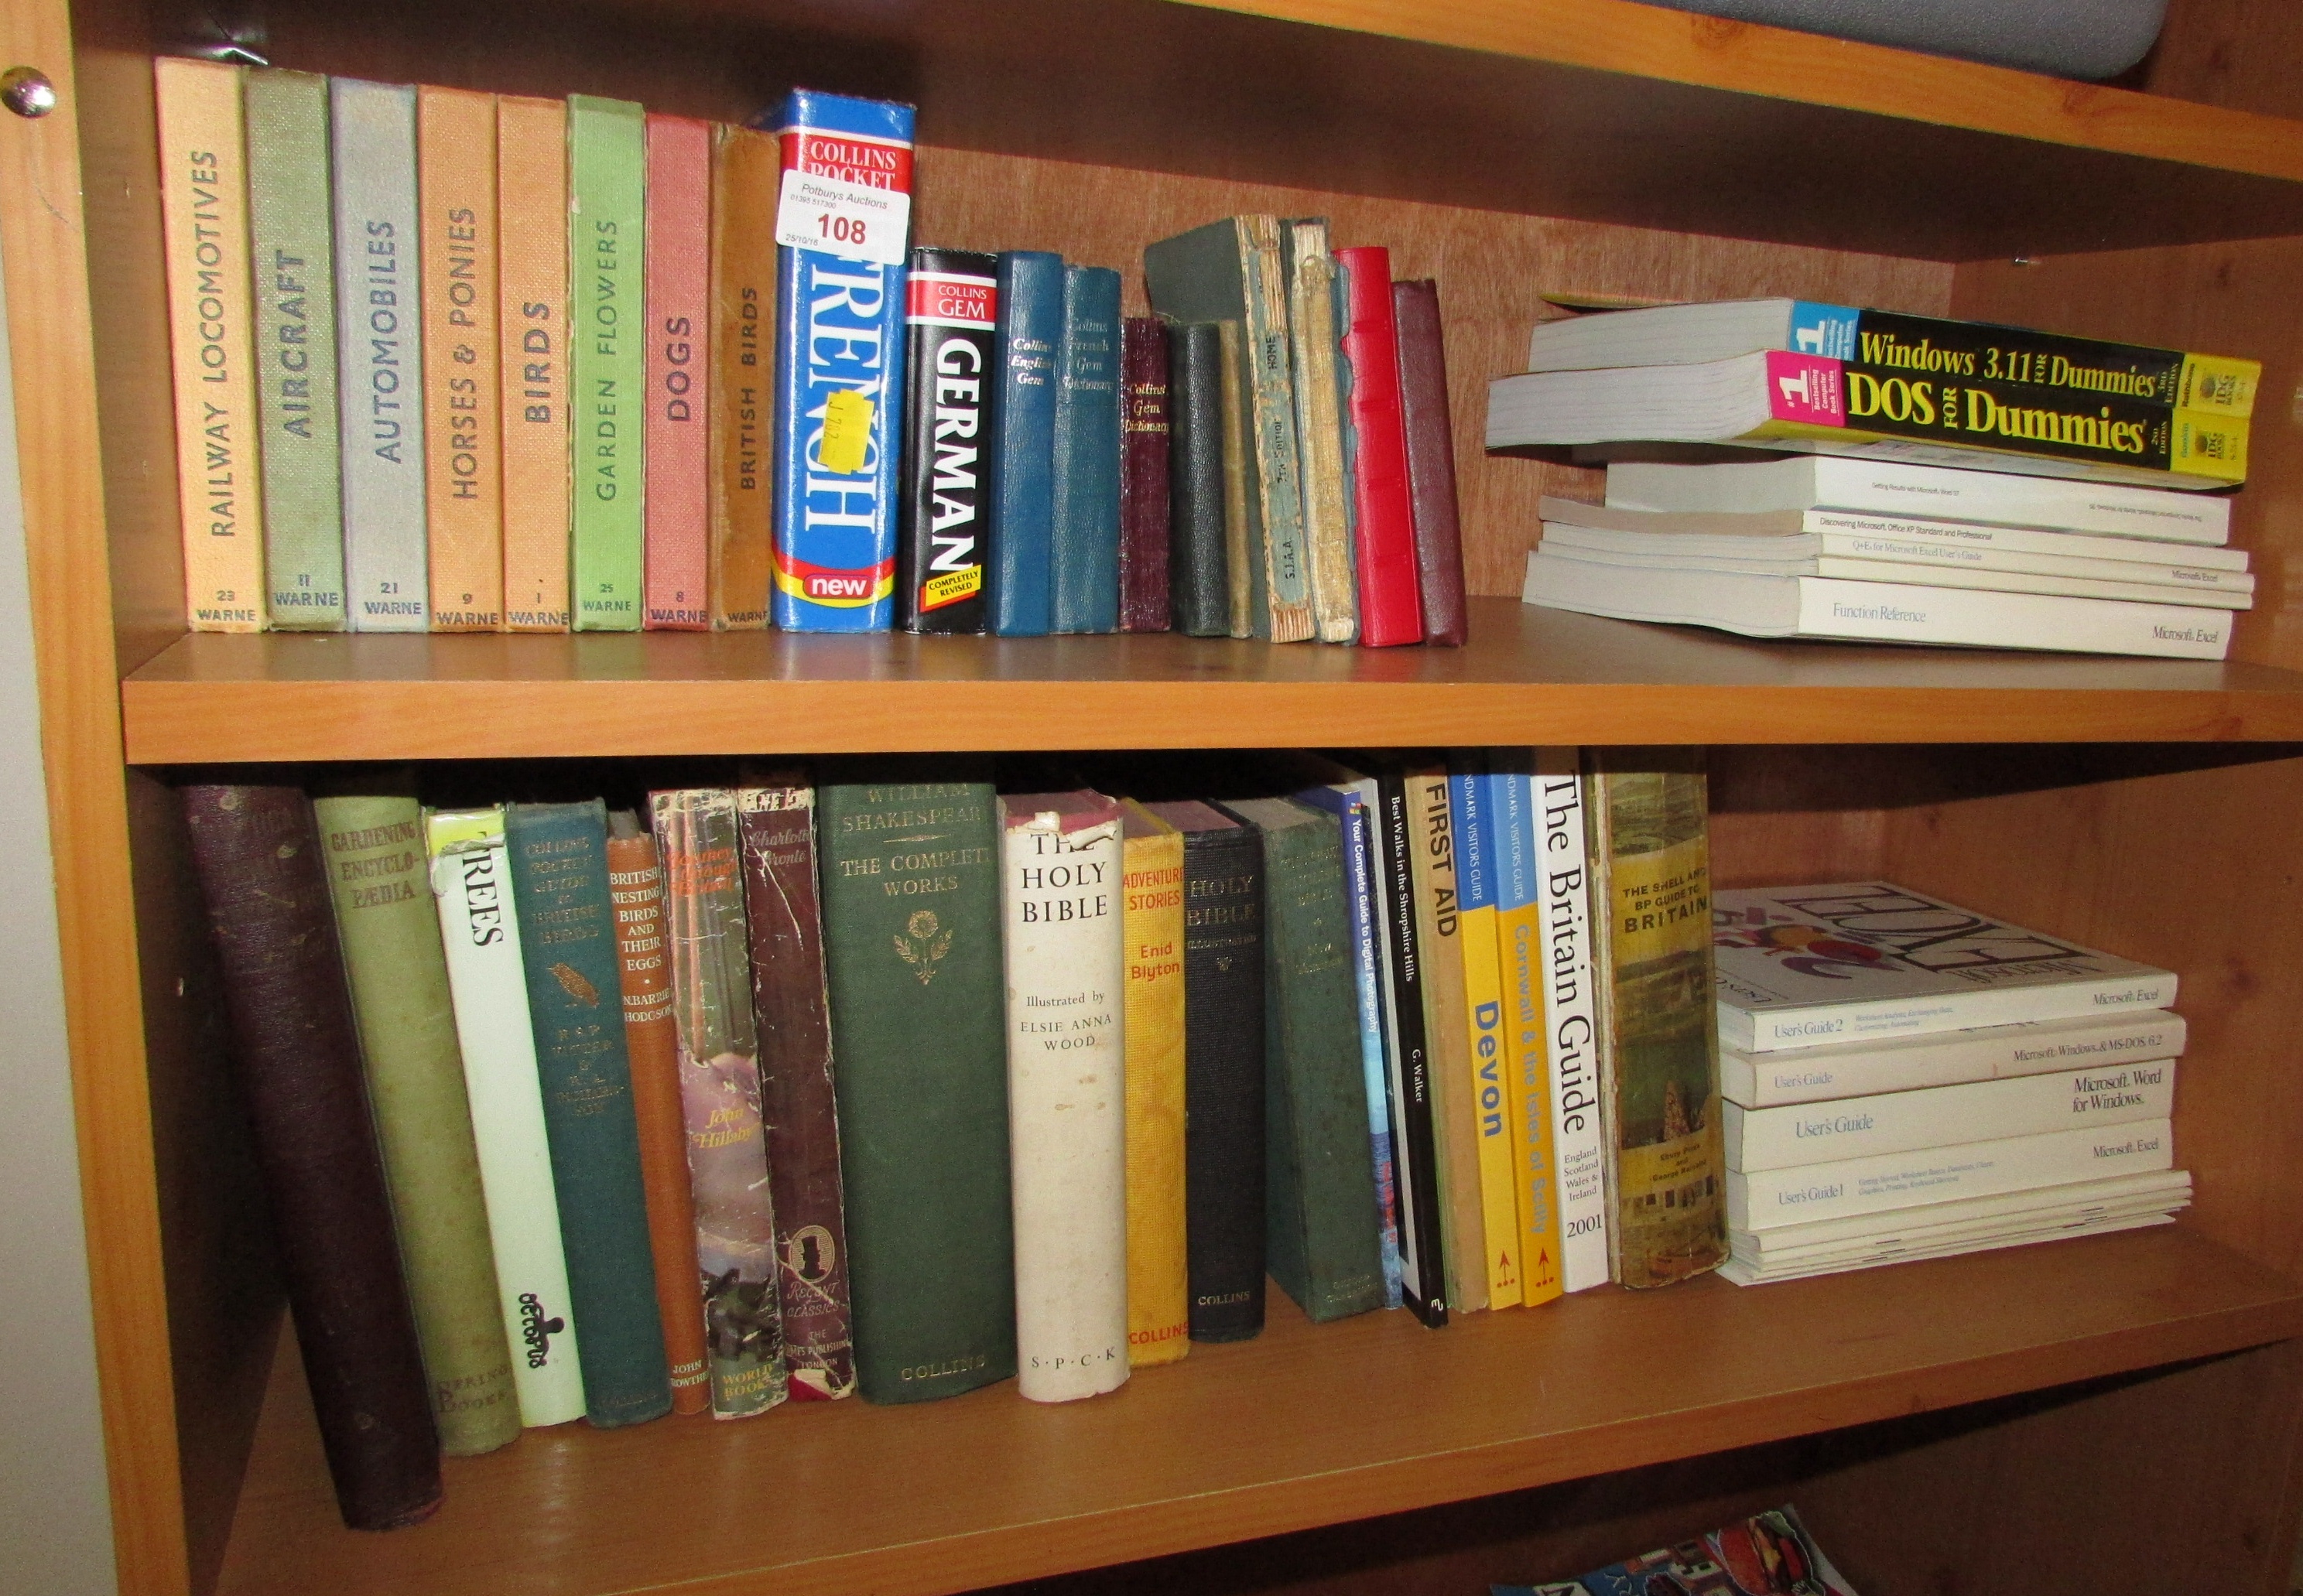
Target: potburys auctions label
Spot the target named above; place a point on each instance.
(832, 216)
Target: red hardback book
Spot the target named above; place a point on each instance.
(1144, 411)
(1430, 459)
(678, 373)
(1391, 602)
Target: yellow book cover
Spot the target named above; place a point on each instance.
(1159, 1291)
(463, 468)
(211, 313)
(1469, 792)
(744, 177)
(1521, 968)
(532, 336)
(2222, 383)
(1438, 933)
(1649, 855)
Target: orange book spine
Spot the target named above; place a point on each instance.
(463, 488)
(211, 313)
(678, 235)
(652, 1037)
(532, 333)
(744, 179)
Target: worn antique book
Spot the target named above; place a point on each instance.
(790, 1008)
(952, 354)
(463, 473)
(1946, 1058)
(1030, 286)
(677, 508)
(720, 1090)
(1064, 952)
(1084, 535)
(1525, 972)
(1230, 271)
(912, 949)
(532, 332)
(840, 372)
(1567, 926)
(574, 987)
(652, 1042)
(1327, 510)
(742, 551)
(291, 243)
(379, 879)
(1431, 459)
(1243, 501)
(1145, 406)
(1438, 932)
(1158, 1318)
(205, 209)
(1320, 1210)
(1648, 849)
(1472, 810)
(204, 220)
(607, 184)
(380, 355)
(1223, 1070)
(1375, 432)
(295, 1048)
(1198, 588)
(471, 882)
(1801, 965)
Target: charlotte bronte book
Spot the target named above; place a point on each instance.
(1223, 1070)
(296, 1049)
(379, 879)
(463, 488)
(744, 177)
(680, 325)
(720, 1091)
(532, 260)
(293, 251)
(1064, 955)
(911, 936)
(1151, 919)
(951, 325)
(607, 182)
(471, 882)
(651, 1042)
(204, 220)
(791, 1009)
(575, 981)
(1648, 853)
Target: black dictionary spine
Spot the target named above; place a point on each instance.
(951, 326)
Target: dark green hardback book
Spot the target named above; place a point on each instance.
(911, 937)
(574, 1002)
(1321, 1223)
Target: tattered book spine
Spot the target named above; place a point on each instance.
(952, 327)
(790, 1005)
(720, 1090)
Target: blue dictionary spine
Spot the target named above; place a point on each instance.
(840, 361)
(1087, 524)
(1358, 890)
(1031, 288)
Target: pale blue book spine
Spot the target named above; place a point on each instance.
(380, 355)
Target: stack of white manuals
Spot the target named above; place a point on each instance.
(1906, 1078)
(1826, 547)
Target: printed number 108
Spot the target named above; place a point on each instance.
(843, 230)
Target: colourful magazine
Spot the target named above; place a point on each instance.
(1770, 1554)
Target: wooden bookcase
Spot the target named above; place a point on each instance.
(2105, 1415)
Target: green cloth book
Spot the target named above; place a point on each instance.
(574, 1002)
(911, 933)
(1320, 1224)
(379, 880)
(607, 192)
(294, 257)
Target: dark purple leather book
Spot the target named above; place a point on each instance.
(1144, 413)
(257, 851)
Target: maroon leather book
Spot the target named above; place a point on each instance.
(1430, 459)
(1143, 474)
(789, 1004)
(257, 851)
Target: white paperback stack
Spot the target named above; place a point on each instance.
(1826, 547)
(1906, 1078)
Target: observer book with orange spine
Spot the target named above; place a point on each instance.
(532, 336)
(741, 553)
(463, 467)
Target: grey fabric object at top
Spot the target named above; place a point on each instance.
(2069, 38)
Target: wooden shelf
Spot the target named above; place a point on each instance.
(1308, 1426)
(1529, 677)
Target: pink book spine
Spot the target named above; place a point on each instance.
(679, 325)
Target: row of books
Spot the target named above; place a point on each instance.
(453, 361)
(906, 1088)
(1906, 1079)
(1877, 551)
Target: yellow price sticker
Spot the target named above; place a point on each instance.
(846, 432)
